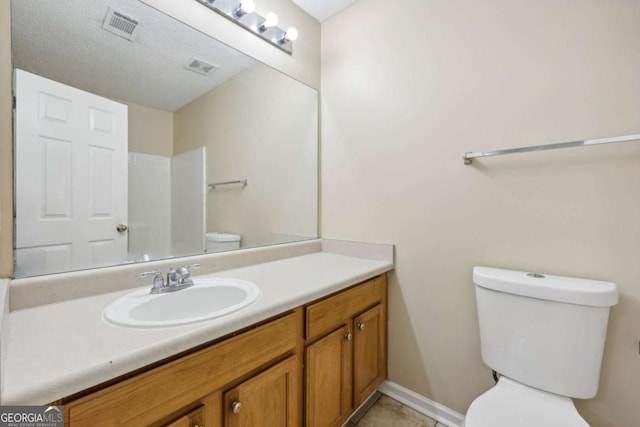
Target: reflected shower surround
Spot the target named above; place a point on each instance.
(243, 14)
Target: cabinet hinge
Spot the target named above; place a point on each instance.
(14, 102)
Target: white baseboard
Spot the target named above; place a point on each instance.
(428, 407)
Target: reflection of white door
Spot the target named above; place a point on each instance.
(71, 177)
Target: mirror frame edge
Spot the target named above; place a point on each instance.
(6, 144)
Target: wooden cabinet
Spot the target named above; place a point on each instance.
(168, 393)
(255, 377)
(345, 356)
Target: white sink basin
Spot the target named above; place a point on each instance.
(207, 299)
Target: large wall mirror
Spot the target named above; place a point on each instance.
(139, 138)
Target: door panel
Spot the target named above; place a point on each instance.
(328, 380)
(369, 353)
(71, 176)
(268, 399)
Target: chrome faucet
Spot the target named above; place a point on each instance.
(177, 279)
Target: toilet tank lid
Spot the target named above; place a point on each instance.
(547, 287)
(222, 237)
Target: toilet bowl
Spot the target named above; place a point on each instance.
(545, 335)
(511, 404)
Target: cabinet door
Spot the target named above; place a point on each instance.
(370, 364)
(269, 399)
(328, 367)
(194, 418)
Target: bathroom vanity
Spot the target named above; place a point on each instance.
(307, 352)
(255, 376)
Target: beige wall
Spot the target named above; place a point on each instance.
(303, 65)
(150, 130)
(6, 144)
(260, 125)
(407, 90)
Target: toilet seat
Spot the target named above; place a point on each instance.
(511, 404)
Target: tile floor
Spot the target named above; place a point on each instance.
(387, 412)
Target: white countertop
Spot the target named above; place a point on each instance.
(59, 349)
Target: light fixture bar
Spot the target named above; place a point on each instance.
(238, 12)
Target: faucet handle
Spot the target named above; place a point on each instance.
(185, 274)
(146, 274)
(158, 280)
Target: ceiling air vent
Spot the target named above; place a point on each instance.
(120, 24)
(200, 66)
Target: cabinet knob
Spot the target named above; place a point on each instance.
(348, 336)
(236, 407)
(361, 326)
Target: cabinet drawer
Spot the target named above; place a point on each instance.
(153, 395)
(329, 313)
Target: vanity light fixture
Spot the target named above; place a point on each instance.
(243, 14)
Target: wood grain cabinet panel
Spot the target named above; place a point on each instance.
(369, 354)
(268, 399)
(328, 379)
(194, 418)
(324, 316)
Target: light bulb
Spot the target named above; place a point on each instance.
(246, 6)
(291, 34)
(269, 21)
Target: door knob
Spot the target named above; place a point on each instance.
(236, 407)
(121, 228)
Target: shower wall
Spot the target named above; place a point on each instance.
(149, 201)
(166, 204)
(188, 201)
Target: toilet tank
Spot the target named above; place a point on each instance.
(544, 331)
(219, 242)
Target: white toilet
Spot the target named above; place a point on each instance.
(545, 335)
(219, 242)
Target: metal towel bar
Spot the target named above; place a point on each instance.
(213, 185)
(469, 156)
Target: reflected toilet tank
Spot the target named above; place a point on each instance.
(219, 242)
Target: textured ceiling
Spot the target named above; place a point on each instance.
(323, 9)
(63, 40)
